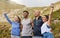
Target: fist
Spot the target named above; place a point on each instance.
(52, 8)
(52, 5)
(4, 11)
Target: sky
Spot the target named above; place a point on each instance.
(35, 3)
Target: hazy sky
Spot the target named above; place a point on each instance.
(34, 3)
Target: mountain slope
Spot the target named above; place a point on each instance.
(15, 9)
(7, 5)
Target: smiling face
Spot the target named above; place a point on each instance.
(25, 14)
(45, 18)
(37, 13)
(16, 19)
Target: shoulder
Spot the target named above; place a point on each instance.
(48, 23)
(44, 24)
(31, 20)
(40, 18)
(22, 20)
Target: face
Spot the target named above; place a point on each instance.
(25, 14)
(37, 13)
(16, 19)
(44, 18)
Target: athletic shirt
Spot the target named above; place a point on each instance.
(27, 28)
(45, 28)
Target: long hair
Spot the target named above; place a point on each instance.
(47, 17)
(20, 23)
(19, 19)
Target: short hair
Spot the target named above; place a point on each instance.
(26, 12)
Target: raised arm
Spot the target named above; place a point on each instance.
(50, 14)
(7, 18)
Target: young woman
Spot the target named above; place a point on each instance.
(46, 29)
(16, 25)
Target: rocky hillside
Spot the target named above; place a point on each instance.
(15, 9)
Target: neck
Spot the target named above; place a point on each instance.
(37, 17)
(45, 21)
(26, 17)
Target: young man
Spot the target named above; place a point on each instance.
(37, 25)
(27, 25)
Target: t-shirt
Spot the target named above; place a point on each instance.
(45, 28)
(27, 27)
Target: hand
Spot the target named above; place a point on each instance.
(51, 9)
(52, 6)
(4, 11)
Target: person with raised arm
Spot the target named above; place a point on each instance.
(16, 26)
(46, 29)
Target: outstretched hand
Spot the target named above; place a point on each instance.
(52, 5)
(4, 12)
(52, 8)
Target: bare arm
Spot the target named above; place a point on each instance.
(8, 19)
(50, 15)
(21, 26)
(32, 23)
